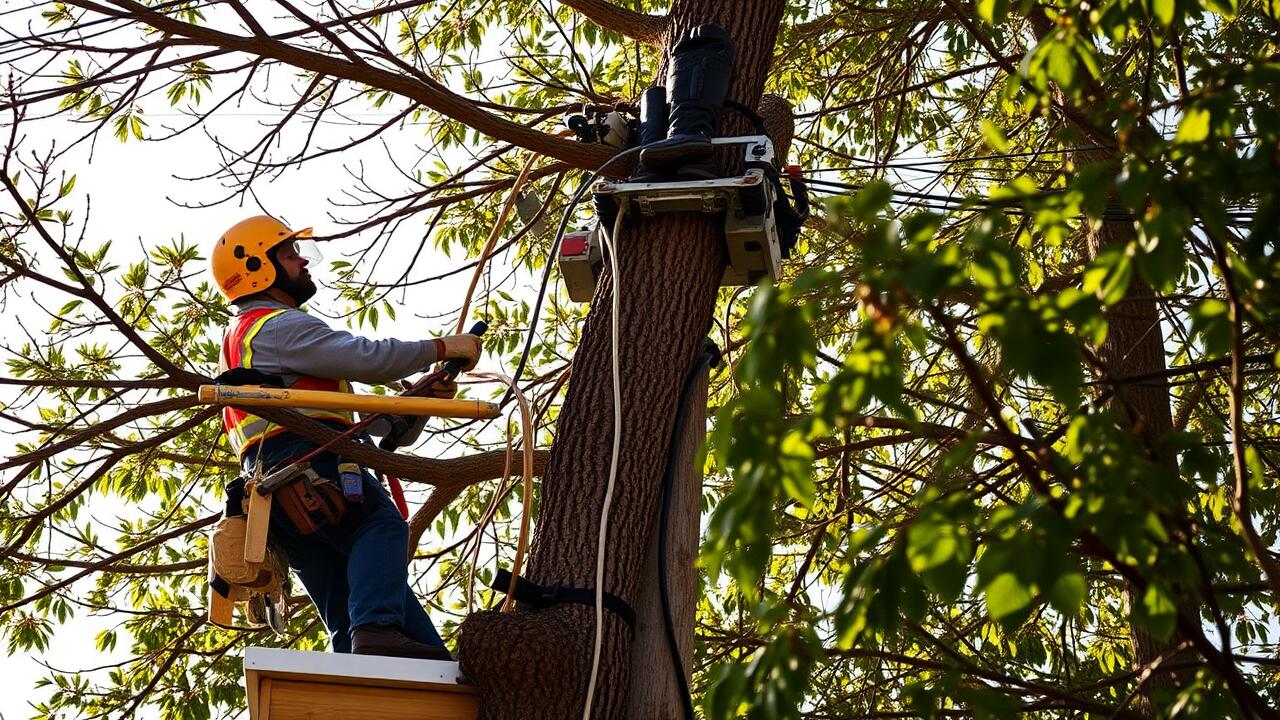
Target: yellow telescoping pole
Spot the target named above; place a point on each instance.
(251, 396)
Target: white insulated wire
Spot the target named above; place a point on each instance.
(611, 248)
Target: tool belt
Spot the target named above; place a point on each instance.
(260, 588)
(311, 502)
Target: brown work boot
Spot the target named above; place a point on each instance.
(385, 639)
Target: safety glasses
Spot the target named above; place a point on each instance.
(305, 247)
(308, 250)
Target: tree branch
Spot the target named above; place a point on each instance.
(106, 563)
(427, 92)
(93, 296)
(648, 29)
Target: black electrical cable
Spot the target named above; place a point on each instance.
(710, 358)
(551, 259)
(930, 196)
(869, 164)
(752, 116)
(943, 203)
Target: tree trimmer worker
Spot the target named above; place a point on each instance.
(350, 557)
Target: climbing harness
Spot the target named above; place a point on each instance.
(311, 502)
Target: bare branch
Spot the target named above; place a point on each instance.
(427, 92)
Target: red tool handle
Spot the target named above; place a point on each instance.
(397, 494)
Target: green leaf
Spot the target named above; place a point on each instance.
(1156, 611)
(1210, 319)
(1061, 64)
(994, 136)
(1226, 8)
(993, 11)
(1006, 595)
(1068, 593)
(724, 695)
(1108, 276)
(939, 552)
(1194, 127)
(1164, 256)
(869, 201)
(1163, 11)
(1132, 183)
(929, 544)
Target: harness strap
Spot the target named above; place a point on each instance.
(542, 597)
(220, 586)
(235, 498)
(248, 376)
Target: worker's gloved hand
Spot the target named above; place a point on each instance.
(461, 347)
(445, 390)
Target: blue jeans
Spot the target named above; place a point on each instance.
(355, 572)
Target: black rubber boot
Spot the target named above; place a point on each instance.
(697, 82)
(384, 639)
(653, 128)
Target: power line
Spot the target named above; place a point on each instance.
(869, 164)
(80, 26)
(941, 203)
(875, 165)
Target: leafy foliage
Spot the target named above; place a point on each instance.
(937, 482)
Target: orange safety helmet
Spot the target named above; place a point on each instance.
(240, 263)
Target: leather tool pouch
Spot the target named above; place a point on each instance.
(261, 588)
(311, 502)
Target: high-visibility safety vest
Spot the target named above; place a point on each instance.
(243, 429)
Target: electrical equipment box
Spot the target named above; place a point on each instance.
(581, 262)
(297, 685)
(747, 201)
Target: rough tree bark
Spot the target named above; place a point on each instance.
(536, 664)
(648, 29)
(1135, 347)
(658, 696)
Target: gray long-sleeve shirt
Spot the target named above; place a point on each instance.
(294, 343)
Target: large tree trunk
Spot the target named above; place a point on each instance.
(1135, 346)
(529, 664)
(658, 697)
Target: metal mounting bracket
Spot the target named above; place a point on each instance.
(750, 227)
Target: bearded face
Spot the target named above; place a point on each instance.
(292, 275)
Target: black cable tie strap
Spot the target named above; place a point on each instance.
(750, 114)
(542, 597)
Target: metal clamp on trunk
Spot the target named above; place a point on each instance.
(747, 201)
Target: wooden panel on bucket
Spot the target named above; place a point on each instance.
(298, 685)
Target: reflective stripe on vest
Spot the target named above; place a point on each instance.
(243, 429)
